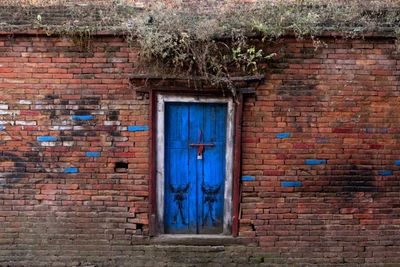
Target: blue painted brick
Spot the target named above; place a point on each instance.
(377, 130)
(46, 138)
(1, 128)
(137, 128)
(82, 118)
(92, 154)
(321, 140)
(315, 161)
(248, 178)
(291, 184)
(397, 162)
(71, 170)
(282, 135)
(385, 173)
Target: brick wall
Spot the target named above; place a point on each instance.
(320, 160)
(321, 141)
(74, 146)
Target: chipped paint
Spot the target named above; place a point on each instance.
(92, 154)
(46, 138)
(315, 161)
(71, 170)
(377, 130)
(82, 118)
(137, 128)
(321, 140)
(291, 184)
(248, 178)
(282, 135)
(385, 172)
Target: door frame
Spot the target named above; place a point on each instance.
(161, 99)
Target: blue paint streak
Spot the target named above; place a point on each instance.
(1, 128)
(282, 135)
(137, 128)
(92, 154)
(321, 140)
(248, 178)
(82, 118)
(46, 138)
(385, 173)
(397, 162)
(315, 161)
(71, 170)
(291, 184)
(377, 130)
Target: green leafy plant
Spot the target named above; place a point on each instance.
(247, 60)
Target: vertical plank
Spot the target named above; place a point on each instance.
(211, 200)
(237, 164)
(196, 129)
(178, 215)
(152, 165)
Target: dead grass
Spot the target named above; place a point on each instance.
(206, 38)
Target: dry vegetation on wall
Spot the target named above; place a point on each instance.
(209, 40)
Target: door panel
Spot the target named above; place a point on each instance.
(194, 182)
(179, 171)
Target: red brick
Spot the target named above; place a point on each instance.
(286, 156)
(341, 130)
(31, 128)
(303, 146)
(251, 140)
(57, 149)
(273, 173)
(376, 146)
(31, 112)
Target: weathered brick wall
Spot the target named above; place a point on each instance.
(320, 158)
(321, 153)
(74, 147)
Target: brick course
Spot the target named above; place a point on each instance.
(320, 139)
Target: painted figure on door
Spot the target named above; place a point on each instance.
(179, 197)
(210, 197)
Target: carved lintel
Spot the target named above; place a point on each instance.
(142, 83)
(195, 78)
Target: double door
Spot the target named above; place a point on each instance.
(195, 166)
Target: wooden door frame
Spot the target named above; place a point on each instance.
(162, 99)
(154, 227)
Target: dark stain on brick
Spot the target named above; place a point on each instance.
(351, 178)
(295, 88)
(85, 76)
(115, 133)
(83, 133)
(82, 112)
(89, 101)
(50, 96)
(53, 114)
(113, 115)
(13, 174)
(63, 137)
(63, 112)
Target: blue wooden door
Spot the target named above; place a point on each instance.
(195, 145)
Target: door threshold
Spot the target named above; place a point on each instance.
(202, 240)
